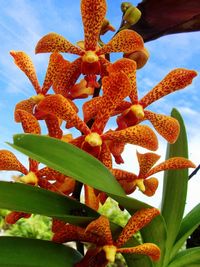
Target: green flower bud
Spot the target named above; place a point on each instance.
(125, 6)
(132, 15)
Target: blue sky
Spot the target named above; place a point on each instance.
(24, 22)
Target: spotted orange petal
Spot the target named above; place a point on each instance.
(115, 88)
(43, 183)
(80, 90)
(91, 107)
(60, 107)
(126, 41)
(54, 42)
(166, 126)
(8, 162)
(177, 79)
(68, 74)
(29, 122)
(105, 156)
(140, 135)
(53, 125)
(93, 13)
(91, 199)
(147, 249)
(138, 220)
(69, 233)
(57, 225)
(51, 174)
(24, 62)
(14, 216)
(117, 148)
(101, 229)
(125, 179)
(146, 162)
(171, 164)
(27, 105)
(66, 187)
(151, 186)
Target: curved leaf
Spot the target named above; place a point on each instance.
(24, 252)
(31, 199)
(187, 258)
(188, 225)
(175, 188)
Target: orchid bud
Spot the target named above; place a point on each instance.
(140, 57)
(125, 6)
(132, 15)
(106, 26)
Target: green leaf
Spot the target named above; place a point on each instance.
(22, 252)
(187, 258)
(175, 188)
(76, 163)
(31, 199)
(188, 225)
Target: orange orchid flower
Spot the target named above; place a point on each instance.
(130, 181)
(91, 61)
(98, 233)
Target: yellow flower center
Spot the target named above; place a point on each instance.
(138, 111)
(30, 178)
(140, 184)
(94, 139)
(90, 57)
(38, 98)
(110, 252)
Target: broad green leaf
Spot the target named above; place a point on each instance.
(155, 232)
(175, 188)
(31, 199)
(76, 163)
(188, 225)
(24, 252)
(187, 258)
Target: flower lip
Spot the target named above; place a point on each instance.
(110, 252)
(93, 139)
(138, 111)
(90, 57)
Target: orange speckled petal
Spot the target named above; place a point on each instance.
(177, 79)
(140, 135)
(91, 107)
(146, 162)
(166, 126)
(116, 87)
(69, 233)
(54, 42)
(105, 156)
(104, 63)
(67, 76)
(93, 13)
(57, 225)
(24, 62)
(125, 179)
(126, 41)
(60, 107)
(14, 216)
(171, 164)
(151, 186)
(43, 183)
(66, 187)
(29, 122)
(91, 199)
(138, 220)
(8, 162)
(116, 148)
(53, 125)
(55, 61)
(50, 174)
(27, 105)
(80, 90)
(148, 249)
(101, 229)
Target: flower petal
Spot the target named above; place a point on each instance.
(177, 79)
(166, 126)
(146, 162)
(93, 13)
(69, 233)
(27, 105)
(105, 156)
(59, 106)
(126, 41)
(66, 187)
(53, 125)
(57, 225)
(24, 62)
(50, 174)
(151, 185)
(125, 179)
(28, 121)
(140, 135)
(81, 90)
(8, 162)
(147, 249)
(54, 42)
(91, 199)
(91, 107)
(14, 216)
(101, 229)
(138, 220)
(171, 164)
(117, 148)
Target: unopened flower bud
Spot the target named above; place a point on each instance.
(132, 15)
(106, 26)
(140, 57)
(125, 6)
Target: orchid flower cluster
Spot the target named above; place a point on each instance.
(115, 94)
